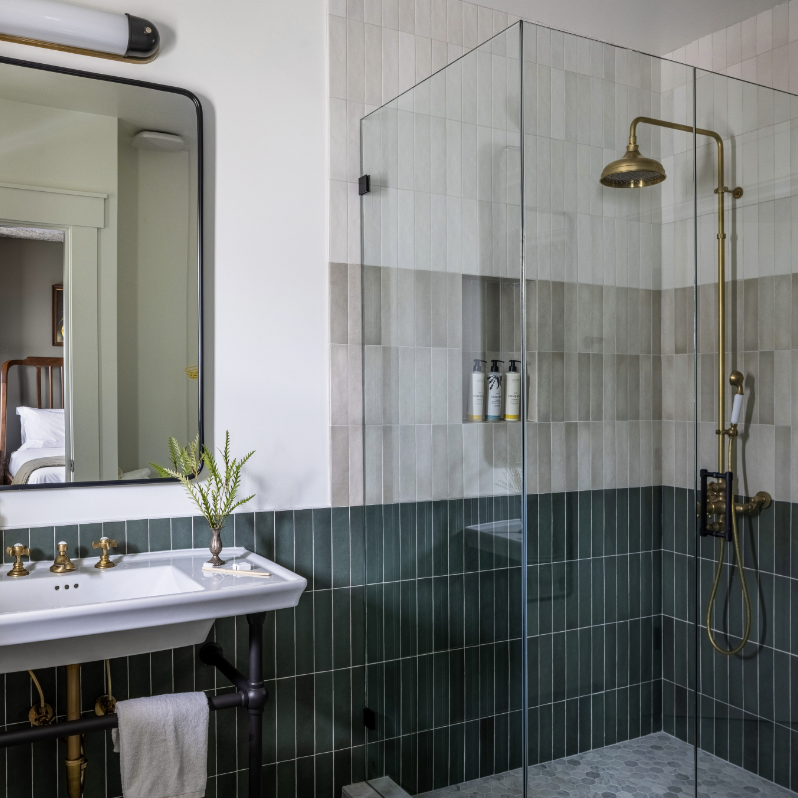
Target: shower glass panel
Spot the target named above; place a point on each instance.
(745, 714)
(441, 236)
(609, 273)
(538, 593)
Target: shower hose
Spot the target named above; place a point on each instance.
(716, 583)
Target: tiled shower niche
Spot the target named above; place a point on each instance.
(491, 326)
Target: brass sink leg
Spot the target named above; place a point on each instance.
(75, 761)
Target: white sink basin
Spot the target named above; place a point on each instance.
(148, 602)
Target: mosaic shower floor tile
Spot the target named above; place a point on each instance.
(654, 766)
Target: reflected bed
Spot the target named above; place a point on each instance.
(40, 459)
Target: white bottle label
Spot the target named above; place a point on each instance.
(494, 396)
(513, 406)
(477, 409)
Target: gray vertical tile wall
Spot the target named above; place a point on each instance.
(440, 220)
(347, 329)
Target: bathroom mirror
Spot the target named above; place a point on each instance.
(100, 276)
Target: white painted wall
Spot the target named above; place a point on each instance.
(260, 70)
(157, 297)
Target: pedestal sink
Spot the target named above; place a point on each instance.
(148, 602)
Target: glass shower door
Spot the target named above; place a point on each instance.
(746, 702)
(441, 237)
(570, 541)
(610, 276)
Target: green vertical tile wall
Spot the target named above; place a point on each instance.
(745, 711)
(594, 622)
(407, 612)
(313, 662)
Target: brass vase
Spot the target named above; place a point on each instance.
(216, 547)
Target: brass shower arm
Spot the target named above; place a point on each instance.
(673, 125)
(648, 120)
(720, 191)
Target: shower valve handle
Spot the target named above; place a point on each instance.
(724, 484)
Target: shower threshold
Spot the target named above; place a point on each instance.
(653, 766)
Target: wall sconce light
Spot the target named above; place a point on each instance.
(85, 31)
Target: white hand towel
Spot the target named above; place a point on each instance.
(163, 742)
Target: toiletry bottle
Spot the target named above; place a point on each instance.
(476, 400)
(495, 391)
(512, 407)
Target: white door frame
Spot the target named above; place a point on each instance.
(80, 215)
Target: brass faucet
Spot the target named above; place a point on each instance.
(18, 550)
(104, 543)
(62, 563)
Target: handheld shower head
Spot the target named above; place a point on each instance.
(736, 380)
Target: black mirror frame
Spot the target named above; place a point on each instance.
(200, 312)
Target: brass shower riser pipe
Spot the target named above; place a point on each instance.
(720, 191)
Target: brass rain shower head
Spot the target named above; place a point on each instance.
(633, 171)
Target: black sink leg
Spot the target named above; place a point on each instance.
(257, 700)
(251, 688)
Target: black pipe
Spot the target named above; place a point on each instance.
(250, 693)
(38, 733)
(257, 699)
(212, 654)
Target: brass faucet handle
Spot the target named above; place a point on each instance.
(62, 564)
(18, 551)
(104, 544)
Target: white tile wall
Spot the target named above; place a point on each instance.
(762, 49)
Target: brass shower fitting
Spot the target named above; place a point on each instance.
(717, 507)
(636, 171)
(106, 704)
(40, 714)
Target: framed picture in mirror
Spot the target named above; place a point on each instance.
(58, 314)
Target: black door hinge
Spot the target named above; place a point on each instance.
(364, 184)
(369, 719)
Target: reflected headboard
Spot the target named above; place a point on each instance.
(39, 363)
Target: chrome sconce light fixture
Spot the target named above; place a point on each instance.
(74, 29)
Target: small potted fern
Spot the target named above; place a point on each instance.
(216, 496)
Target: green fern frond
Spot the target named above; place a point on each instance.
(215, 497)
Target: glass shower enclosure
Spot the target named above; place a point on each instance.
(541, 582)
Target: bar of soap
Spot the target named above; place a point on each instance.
(242, 566)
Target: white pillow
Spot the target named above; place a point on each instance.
(46, 426)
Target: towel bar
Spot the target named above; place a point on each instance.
(250, 693)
